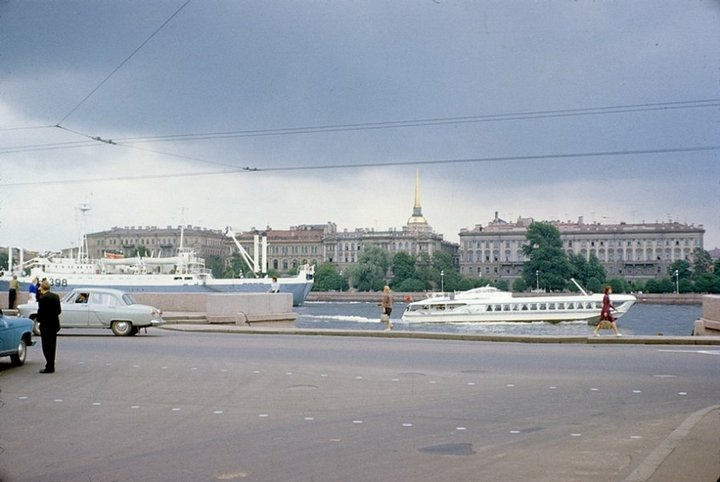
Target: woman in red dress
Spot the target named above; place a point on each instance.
(606, 315)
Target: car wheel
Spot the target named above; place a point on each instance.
(19, 357)
(36, 326)
(122, 328)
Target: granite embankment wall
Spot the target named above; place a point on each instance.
(709, 324)
(237, 308)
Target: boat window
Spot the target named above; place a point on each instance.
(489, 308)
(533, 307)
(498, 308)
(543, 306)
(524, 307)
(506, 307)
(551, 306)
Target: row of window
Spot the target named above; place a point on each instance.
(609, 256)
(647, 243)
(285, 265)
(647, 270)
(280, 249)
(155, 241)
(551, 306)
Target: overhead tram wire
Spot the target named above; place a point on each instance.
(27, 128)
(675, 105)
(48, 147)
(77, 106)
(540, 157)
(181, 156)
(144, 149)
(586, 111)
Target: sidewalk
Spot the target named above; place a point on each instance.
(691, 452)
(590, 340)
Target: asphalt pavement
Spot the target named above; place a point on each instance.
(225, 402)
(690, 453)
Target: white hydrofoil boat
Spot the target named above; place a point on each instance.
(488, 304)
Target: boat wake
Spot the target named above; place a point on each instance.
(335, 318)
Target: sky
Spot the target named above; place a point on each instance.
(253, 114)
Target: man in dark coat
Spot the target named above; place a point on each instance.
(48, 316)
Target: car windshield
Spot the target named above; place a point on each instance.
(68, 297)
(129, 300)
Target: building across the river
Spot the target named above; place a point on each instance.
(158, 241)
(630, 251)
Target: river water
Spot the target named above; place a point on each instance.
(642, 320)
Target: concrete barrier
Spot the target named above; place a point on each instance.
(250, 308)
(22, 297)
(237, 308)
(709, 324)
(184, 302)
(273, 309)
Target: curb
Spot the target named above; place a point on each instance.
(656, 458)
(577, 340)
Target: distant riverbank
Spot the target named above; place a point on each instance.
(345, 296)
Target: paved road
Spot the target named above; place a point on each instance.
(205, 406)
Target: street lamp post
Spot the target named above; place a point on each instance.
(442, 281)
(537, 280)
(677, 282)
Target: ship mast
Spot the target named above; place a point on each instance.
(83, 254)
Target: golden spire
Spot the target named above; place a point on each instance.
(417, 220)
(417, 189)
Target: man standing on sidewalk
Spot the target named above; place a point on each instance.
(48, 315)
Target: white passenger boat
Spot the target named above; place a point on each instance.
(488, 304)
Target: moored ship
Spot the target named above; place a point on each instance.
(184, 272)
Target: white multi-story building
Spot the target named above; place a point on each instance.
(630, 251)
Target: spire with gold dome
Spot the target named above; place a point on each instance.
(417, 221)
